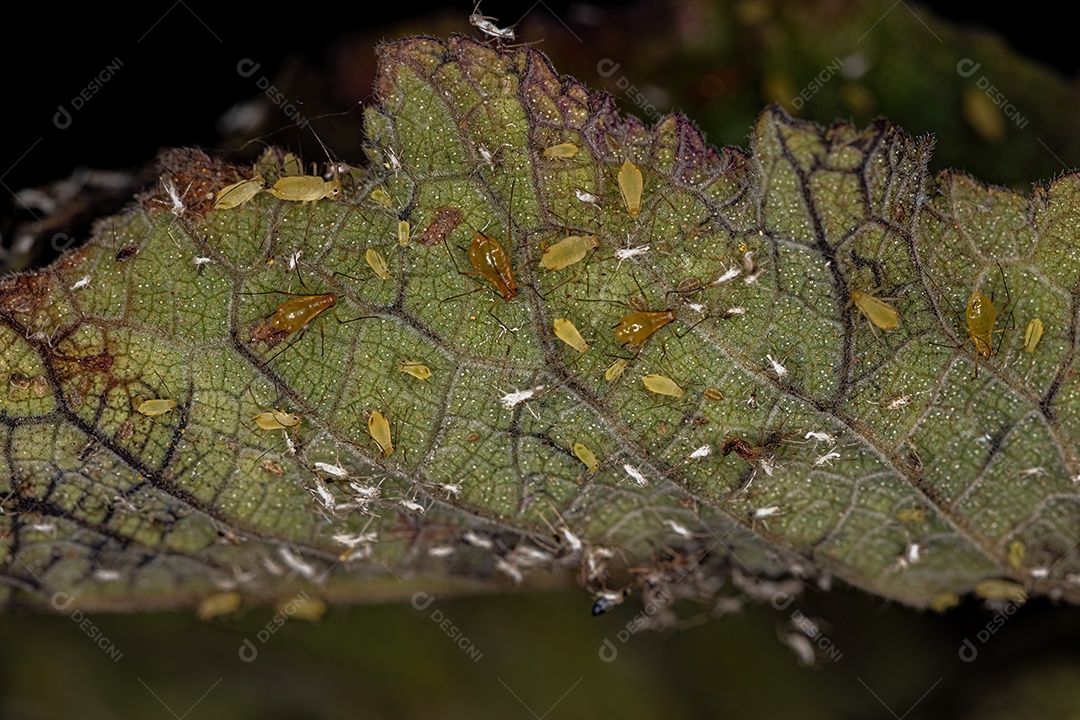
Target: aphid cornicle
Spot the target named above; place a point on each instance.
(637, 327)
(489, 259)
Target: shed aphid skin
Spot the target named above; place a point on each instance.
(158, 406)
(662, 385)
(332, 470)
(878, 312)
(562, 150)
(238, 193)
(631, 186)
(487, 26)
(379, 428)
(615, 370)
(587, 458)
(634, 474)
(377, 264)
(415, 368)
(1032, 335)
(403, 233)
(489, 259)
(566, 331)
(637, 327)
(568, 251)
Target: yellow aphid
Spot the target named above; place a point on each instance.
(238, 193)
(876, 311)
(1033, 335)
(631, 185)
(1001, 590)
(276, 420)
(662, 385)
(380, 432)
(615, 370)
(1016, 554)
(150, 408)
(375, 260)
(568, 333)
(944, 601)
(586, 456)
(917, 515)
(403, 233)
(300, 607)
(568, 251)
(381, 197)
(416, 369)
(218, 604)
(713, 394)
(306, 188)
(562, 150)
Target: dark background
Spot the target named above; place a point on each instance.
(540, 652)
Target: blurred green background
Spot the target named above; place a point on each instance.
(541, 655)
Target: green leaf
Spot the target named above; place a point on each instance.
(805, 440)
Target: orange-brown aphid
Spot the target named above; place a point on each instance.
(294, 314)
(637, 327)
(489, 259)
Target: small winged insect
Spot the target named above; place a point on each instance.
(487, 26)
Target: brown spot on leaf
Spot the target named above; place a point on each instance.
(443, 222)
